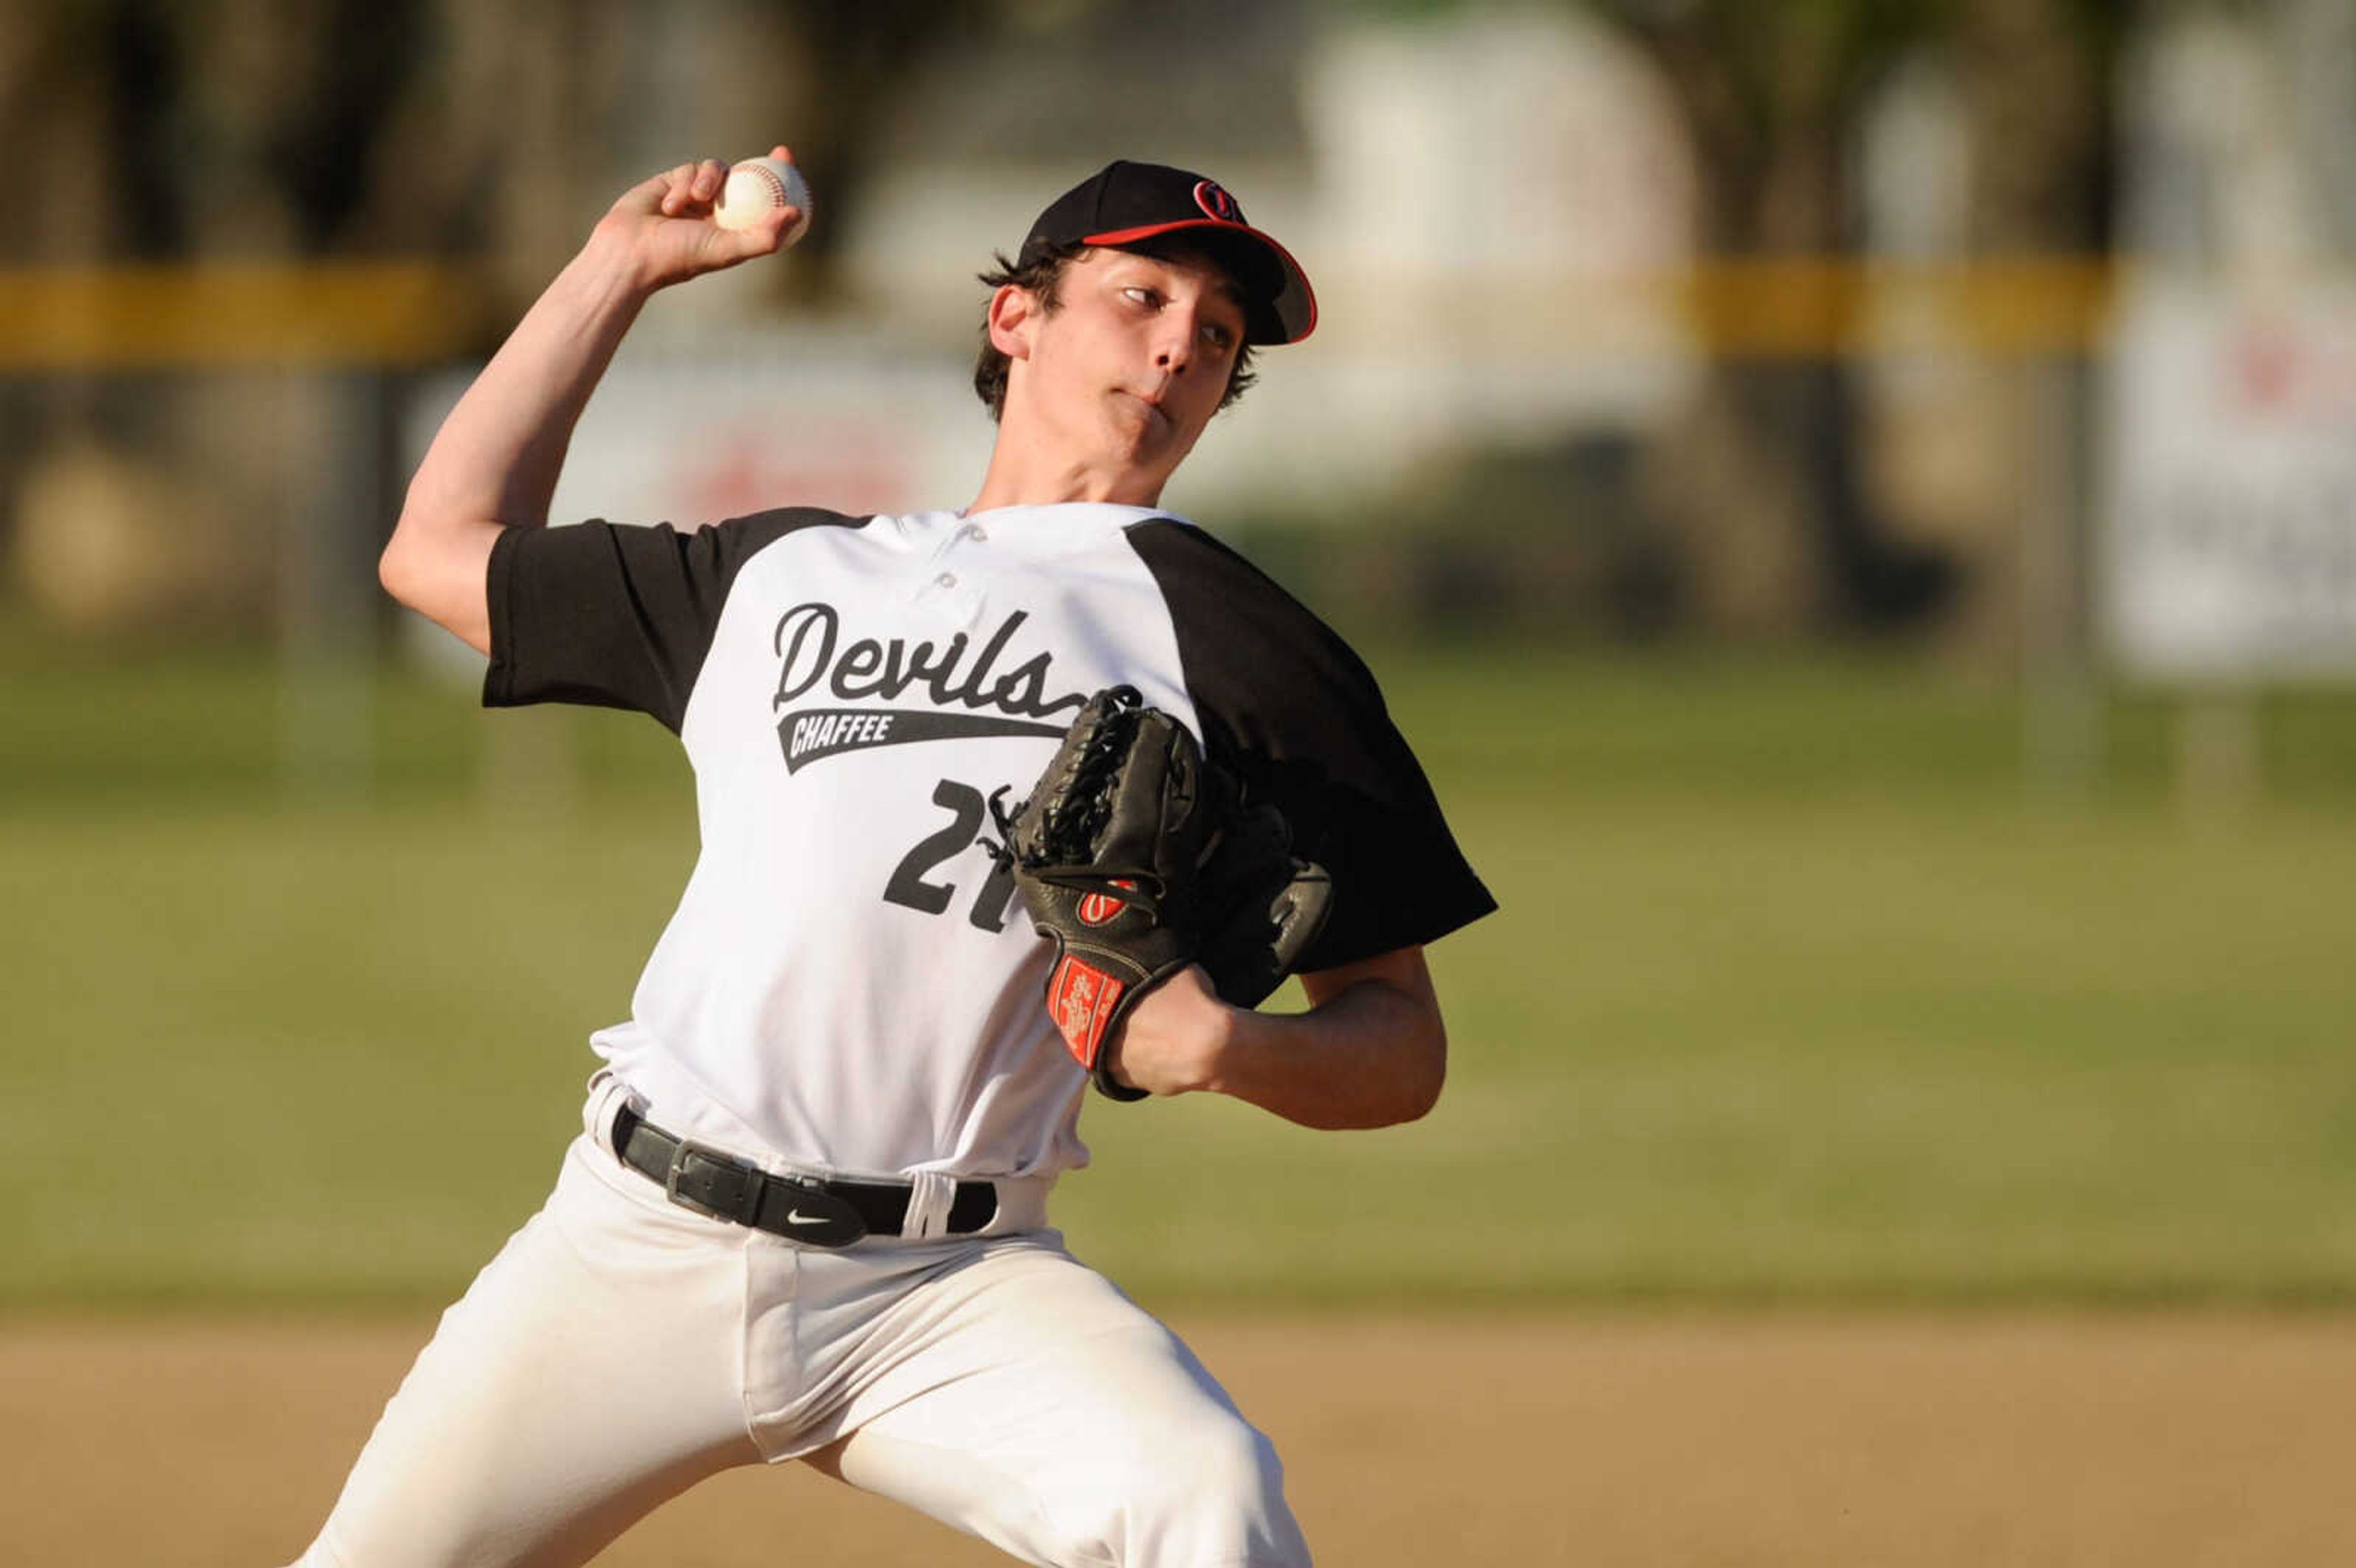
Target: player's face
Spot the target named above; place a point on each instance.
(1132, 366)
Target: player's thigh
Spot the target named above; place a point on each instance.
(1053, 1417)
(590, 1372)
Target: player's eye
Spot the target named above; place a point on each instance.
(1141, 295)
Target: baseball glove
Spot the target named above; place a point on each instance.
(1136, 858)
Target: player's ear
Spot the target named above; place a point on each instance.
(1013, 313)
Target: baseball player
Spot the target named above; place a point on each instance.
(807, 1217)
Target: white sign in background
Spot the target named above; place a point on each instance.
(692, 438)
(2229, 553)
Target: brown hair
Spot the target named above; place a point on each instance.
(1042, 277)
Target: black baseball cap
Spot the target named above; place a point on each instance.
(1124, 203)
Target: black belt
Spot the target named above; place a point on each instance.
(823, 1212)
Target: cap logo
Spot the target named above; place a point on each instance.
(1213, 199)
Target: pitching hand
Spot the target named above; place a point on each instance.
(664, 225)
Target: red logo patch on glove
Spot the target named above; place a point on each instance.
(1082, 1000)
(1099, 909)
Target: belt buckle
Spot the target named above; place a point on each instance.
(748, 1177)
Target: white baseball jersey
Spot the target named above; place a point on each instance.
(849, 983)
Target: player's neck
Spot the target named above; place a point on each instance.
(1027, 471)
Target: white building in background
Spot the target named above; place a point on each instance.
(1494, 198)
(1484, 200)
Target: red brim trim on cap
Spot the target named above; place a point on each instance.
(1292, 272)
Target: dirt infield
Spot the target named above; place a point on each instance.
(1701, 1441)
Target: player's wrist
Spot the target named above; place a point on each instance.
(1209, 1065)
(1226, 1048)
(617, 262)
(1169, 1043)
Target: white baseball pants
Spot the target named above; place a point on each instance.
(620, 1349)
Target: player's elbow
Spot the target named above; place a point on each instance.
(437, 568)
(396, 570)
(1420, 1050)
(1413, 1072)
(404, 567)
(1425, 1075)
(410, 573)
(1405, 1091)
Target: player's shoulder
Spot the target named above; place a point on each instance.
(711, 555)
(747, 534)
(1220, 599)
(1165, 538)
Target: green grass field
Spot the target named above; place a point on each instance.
(1796, 994)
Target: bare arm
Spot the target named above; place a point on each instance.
(1370, 1051)
(494, 464)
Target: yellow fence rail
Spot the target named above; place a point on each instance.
(1815, 308)
(215, 316)
(396, 314)
(1794, 308)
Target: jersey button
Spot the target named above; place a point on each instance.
(946, 580)
(975, 532)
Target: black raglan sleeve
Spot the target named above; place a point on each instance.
(1283, 701)
(617, 615)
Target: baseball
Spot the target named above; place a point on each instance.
(756, 186)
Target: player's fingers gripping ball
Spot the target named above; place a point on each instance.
(759, 186)
(1114, 852)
